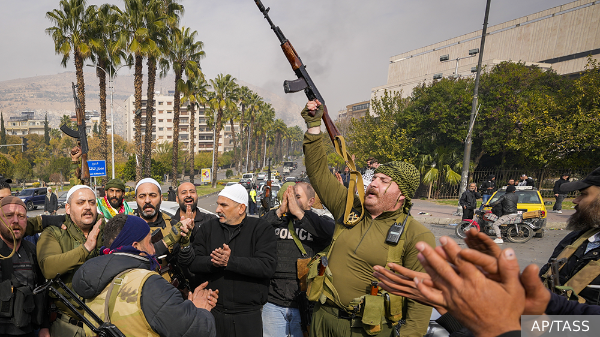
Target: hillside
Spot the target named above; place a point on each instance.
(52, 94)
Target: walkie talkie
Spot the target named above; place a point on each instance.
(395, 231)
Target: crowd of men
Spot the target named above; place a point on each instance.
(369, 269)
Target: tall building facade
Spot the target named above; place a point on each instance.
(26, 124)
(560, 38)
(162, 125)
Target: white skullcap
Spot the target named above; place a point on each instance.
(78, 187)
(148, 180)
(236, 193)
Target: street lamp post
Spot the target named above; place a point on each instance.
(111, 87)
(467, 155)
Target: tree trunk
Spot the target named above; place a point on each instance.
(216, 147)
(234, 142)
(429, 193)
(103, 134)
(149, 116)
(257, 144)
(176, 104)
(242, 147)
(192, 140)
(80, 90)
(137, 84)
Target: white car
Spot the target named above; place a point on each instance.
(261, 176)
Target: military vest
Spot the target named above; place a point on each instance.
(120, 304)
(68, 240)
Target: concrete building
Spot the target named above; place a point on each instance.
(26, 124)
(163, 125)
(356, 110)
(560, 38)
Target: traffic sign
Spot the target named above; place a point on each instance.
(97, 168)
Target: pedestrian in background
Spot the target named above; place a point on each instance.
(468, 201)
(560, 196)
(51, 202)
(487, 189)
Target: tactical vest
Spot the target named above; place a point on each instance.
(585, 275)
(68, 240)
(120, 304)
(288, 254)
(371, 310)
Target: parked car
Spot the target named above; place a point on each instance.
(62, 199)
(231, 183)
(33, 197)
(248, 176)
(246, 182)
(261, 176)
(530, 199)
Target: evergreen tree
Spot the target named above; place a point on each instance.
(95, 129)
(46, 131)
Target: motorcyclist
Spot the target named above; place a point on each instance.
(509, 210)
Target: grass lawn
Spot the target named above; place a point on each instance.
(207, 189)
(567, 203)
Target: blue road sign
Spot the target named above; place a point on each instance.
(97, 168)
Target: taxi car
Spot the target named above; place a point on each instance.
(530, 199)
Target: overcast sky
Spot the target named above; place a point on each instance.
(346, 44)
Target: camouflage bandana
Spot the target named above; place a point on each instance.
(405, 175)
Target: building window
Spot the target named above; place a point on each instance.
(160, 103)
(169, 103)
(160, 120)
(184, 120)
(183, 129)
(160, 111)
(169, 137)
(160, 137)
(169, 121)
(169, 111)
(160, 129)
(227, 129)
(169, 129)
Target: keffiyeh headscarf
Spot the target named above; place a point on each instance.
(406, 176)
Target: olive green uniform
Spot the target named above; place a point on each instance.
(358, 249)
(62, 251)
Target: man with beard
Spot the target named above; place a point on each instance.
(379, 237)
(20, 275)
(148, 199)
(112, 203)
(237, 255)
(63, 250)
(187, 197)
(581, 248)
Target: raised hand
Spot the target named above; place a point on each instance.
(90, 243)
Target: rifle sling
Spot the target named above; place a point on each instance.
(296, 238)
(356, 182)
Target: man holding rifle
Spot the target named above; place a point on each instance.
(376, 239)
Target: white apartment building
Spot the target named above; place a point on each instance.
(163, 125)
(26, 124)
(93, 117)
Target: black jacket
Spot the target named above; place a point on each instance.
(576, 262)
(167, 312)
(346, 178)
(185, 256)
(315, 234)
(509, 203)
(484, 188)
(557, 184)
(244, 283)
(51, 205)
(469, 199)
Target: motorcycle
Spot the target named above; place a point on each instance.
(520, 230)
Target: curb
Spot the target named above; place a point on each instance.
(448, 221)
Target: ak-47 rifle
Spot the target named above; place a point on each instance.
(81, 137)
(553, 278)
(104, 329)
(304, 82)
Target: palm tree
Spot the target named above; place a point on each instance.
(224, 88)
(183, 55)
(135, 39)
(107, 56)
(254, 103)
(279, 128)
(244, 94)
(200, 89)
(264, 122)
(162, 18)
(443, 164)
(72, 33)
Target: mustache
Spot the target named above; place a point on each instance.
(114, 198)
(188, 200)
(372, 190)
(220, 215)
(149, 205)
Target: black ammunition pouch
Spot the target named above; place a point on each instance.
(6, 300)
(18, 306)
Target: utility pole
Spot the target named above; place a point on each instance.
(467, 155)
